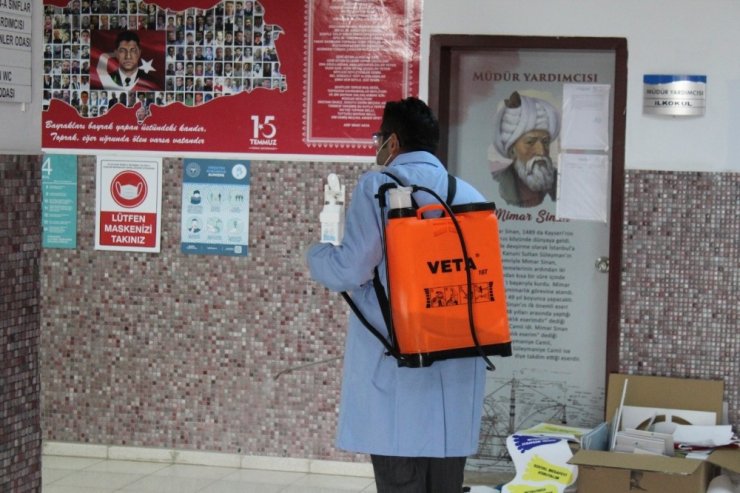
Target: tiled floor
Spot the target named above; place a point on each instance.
(80, 475)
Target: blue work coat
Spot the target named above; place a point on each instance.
(386, 409)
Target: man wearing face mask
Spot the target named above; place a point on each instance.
(417, 424)
(523, 130)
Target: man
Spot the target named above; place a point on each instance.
(229, 16)
(130, 75)
(75, 101)
(128, 54)
(228, 69)
(417, 424)
(523, 130)
(112, 101)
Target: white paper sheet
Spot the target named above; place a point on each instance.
(583, 181)
(585, 117)
(704, 436)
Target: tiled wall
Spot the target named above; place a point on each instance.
(186, 351)
(177, 351)
(20, 389)
(681, 278)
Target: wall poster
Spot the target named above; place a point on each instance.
(258, 78)
(501, 102)
(59, 201)
(128, 203)
(215, 206)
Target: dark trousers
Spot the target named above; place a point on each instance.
(418, 474)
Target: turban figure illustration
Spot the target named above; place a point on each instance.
(522, 114)
(523, 130)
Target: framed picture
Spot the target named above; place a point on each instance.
(537, 125)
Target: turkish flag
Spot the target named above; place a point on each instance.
(103, 63)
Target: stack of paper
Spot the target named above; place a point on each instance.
(645, 442)
(570, 433)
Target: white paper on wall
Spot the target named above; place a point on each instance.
(583, 181)
(585, 124)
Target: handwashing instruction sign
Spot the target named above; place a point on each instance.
(215, 207)
(128, 204)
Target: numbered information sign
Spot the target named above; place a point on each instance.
(128, 204)
(59, 201)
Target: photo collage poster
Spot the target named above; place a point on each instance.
(250, 77)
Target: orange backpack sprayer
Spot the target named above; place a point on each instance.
(446, 295)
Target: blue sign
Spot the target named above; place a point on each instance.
(59, 201)
(215, 207)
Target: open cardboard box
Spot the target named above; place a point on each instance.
(614, 472)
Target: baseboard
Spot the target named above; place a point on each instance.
(218, 459)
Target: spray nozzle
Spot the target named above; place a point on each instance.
(333, 182)
(333, 190)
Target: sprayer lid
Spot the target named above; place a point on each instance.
(456, 209)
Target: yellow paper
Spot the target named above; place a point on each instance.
(538, 469)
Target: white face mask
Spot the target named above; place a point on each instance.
(377, 153)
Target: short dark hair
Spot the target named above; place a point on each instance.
(127, 36)
(414, 124)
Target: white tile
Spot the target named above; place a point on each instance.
(239, 487)
(371, 489)
(341, 483)
(73, 463)
(275, 463)
(361, 469)
(259, 476)
(57, 488)
(207, 458)
(168, 484)
(307, 489)
(195, 472)
(75, 449)
(49, 475)
(107, 481)
(127, 466)
(141, 454)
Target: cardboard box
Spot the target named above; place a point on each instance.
(613, 472)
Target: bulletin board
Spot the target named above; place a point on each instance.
(537, 124)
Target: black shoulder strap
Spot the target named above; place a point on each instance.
(385, 306)
(395, 178)
(388, 346)
(451, 188)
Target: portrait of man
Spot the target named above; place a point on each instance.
(136, 63)
(523, 130)
(128, 54)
